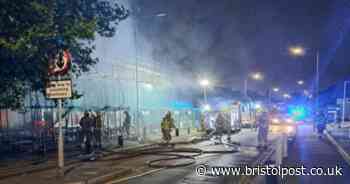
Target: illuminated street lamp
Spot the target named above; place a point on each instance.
(286, 95)
(255, 76)
(297, 51)
(276, 89)
(300, 82)
(300, 51)
(206, 107)
(137, 50)
(205, 84)
(161, 14)
(258, 106)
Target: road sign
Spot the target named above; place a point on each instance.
(59, 64)
(59, 89)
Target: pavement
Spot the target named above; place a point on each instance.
(117, 169)
(311, 151)
(77, 171)
(341, 135)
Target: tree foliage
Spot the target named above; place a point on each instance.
(32, 31)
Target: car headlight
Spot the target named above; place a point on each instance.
(290, 129)
(275, 120)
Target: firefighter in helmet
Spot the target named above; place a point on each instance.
(167, 125)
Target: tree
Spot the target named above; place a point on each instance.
(32, 31)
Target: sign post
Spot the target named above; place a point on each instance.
(59, 89)
(60, 139)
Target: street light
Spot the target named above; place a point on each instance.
(135, 15)
(276, 90)
(206, 107)
(300, 82)
(286, 95)
(258, 106)
(162, 14)
(297, 51)
(205, 84)
(255, 76)
(300, 51)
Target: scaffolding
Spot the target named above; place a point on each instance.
(113, 92)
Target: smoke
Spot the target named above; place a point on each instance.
(226, 40)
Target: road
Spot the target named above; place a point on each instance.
(310, 151)
(183, 175)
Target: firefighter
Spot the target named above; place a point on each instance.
(228, 128)
(202, 123)
(127, 123)
(321, 123)
(263, 128)
(219, 126)
(167, 125)
(86, 123)
(98, 130)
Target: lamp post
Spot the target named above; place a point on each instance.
(255, 76)
(205, 84)
(275, 90)
(300, 82)
(300, 51)
(135, 26)
(344, 101)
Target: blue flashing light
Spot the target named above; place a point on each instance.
(298, 112)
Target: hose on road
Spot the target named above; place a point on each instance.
(181, 156)
(186, 155)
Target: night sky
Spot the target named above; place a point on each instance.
(226, 39)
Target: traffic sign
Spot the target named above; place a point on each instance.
(59, 64)
(59, 89)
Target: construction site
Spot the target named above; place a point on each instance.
(146, 96)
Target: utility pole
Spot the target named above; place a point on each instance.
(246, 87)
(344, 101)
(317, 79)
(205, 94)
(136, 77)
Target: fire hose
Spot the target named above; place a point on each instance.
(186, 155)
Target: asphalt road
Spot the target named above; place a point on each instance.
(311, 151)
(183, 175)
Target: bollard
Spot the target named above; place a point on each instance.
(177, 133)
(144, 132)
(285, 146)
(120, 141)
(279, 151)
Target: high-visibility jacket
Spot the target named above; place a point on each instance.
(220, 122)
(167, 123)
(98, 122)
